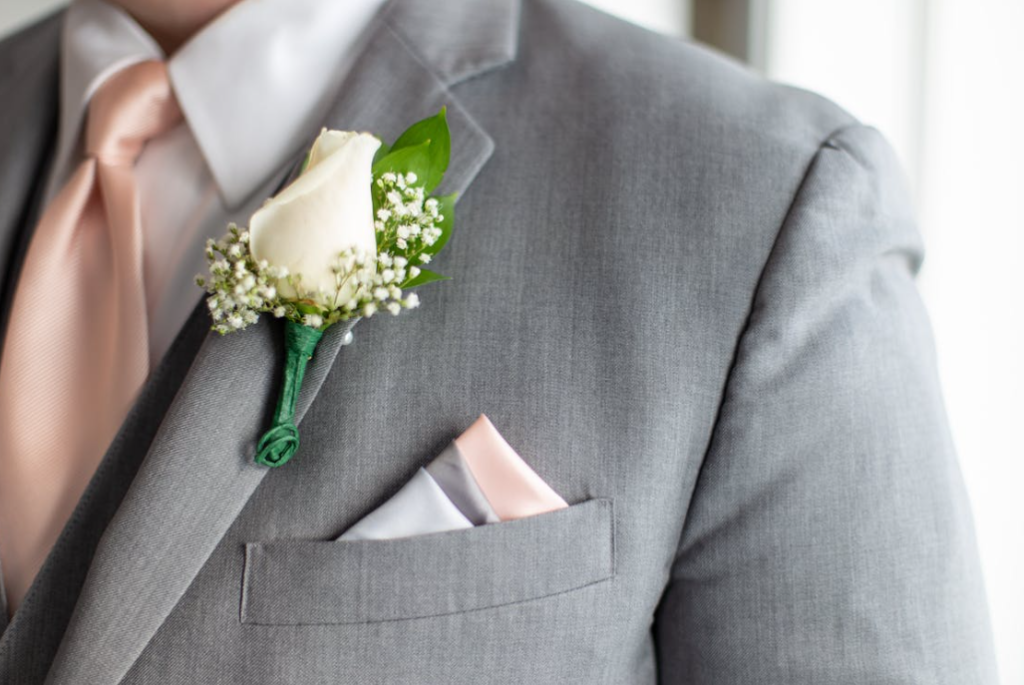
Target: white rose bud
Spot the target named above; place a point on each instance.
(323, 212)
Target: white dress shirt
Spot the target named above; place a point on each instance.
(254, 86)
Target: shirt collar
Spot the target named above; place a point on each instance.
(254, 84)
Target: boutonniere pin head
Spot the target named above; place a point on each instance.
(348, 238)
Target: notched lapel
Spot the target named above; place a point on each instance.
(198, 475)
(199, 472)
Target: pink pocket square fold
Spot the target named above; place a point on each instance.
(478, 479)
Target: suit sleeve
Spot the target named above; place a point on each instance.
(829, 539)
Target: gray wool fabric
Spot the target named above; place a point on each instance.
(683, 294)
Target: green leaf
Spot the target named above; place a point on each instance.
(306, 308)
(305, 162)
(415, 159)
(434, 128)
(425, 276)
(434, 131)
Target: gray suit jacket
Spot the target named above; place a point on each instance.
(684, 294)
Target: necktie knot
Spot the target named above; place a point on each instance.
(133, 106)
(60, 408)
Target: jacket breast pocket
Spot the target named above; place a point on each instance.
(364, 581)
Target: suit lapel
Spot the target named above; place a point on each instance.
(199, 471)
(28, 129)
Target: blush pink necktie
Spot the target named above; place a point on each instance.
(76, 351)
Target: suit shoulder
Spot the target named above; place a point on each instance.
(622, 66)
(37, 43)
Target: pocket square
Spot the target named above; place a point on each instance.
(476, 480)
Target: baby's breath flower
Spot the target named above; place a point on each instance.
(406, 221)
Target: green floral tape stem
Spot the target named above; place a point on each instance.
(280, 443)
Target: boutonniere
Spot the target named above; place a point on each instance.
(349, 238)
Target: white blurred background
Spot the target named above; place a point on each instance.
(944, 80)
